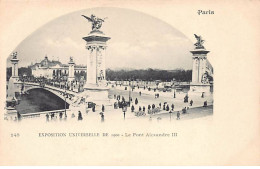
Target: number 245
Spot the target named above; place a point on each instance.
(15, 134)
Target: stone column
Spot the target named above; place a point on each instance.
(96, 46)
(14, 85)
(14, 62)
(199, 68)
(195, 70)
(91, 65)
(95, 88)
(71, 70)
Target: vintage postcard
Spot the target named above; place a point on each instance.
(129, 83)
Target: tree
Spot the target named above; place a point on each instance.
(149, 74)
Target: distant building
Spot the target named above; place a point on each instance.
(54, 69)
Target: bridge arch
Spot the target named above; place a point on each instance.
(57, 93)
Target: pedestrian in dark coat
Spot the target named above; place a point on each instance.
(80, 116)
(172, 107)
(47, 117)
(178, 115)
(132, 108)
(103, 108)
(191, 102)
(136, 101)
(167, 107)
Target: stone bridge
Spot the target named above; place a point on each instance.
(71, 97)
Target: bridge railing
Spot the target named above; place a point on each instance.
(41, 114)
(52, 88)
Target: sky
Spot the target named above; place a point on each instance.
(138, 41)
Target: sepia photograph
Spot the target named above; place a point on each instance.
(147, 83)
(78, 67)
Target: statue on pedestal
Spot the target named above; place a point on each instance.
(71, 59)
(199, 42)
(14, 55)
(96, 22)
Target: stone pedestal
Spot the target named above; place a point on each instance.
(199, 88)
(71, 70)
(200, 84)
(14, 62)
(14, 85)
(95, 88)
(11, 114)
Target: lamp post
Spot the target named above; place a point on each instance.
(170, 115)
(129, 92)
(65, 98)
(124, 110)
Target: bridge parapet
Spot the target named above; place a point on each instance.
(30, 84)
(43, 114)
(72, 98)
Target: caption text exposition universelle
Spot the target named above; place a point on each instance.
(107, 135)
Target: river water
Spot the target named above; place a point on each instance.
(39, 100)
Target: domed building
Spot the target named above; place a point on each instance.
(53, 69)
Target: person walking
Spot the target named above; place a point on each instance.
(19, 117)
(172, 107)
(47, 117)
(205, 104)
(136, 101)
(178, 115)
(102, 117)
(167, 107)
(149, 107)
(60, 115)
(93, 108)
(191, 102)
(132, 108)
(80, 116)
(52, 115)
(103, 108)
(184, 110)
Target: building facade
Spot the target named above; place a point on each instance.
(55, 69)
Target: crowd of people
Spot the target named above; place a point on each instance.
(141, 110)
(74, 85)
(133, 104)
